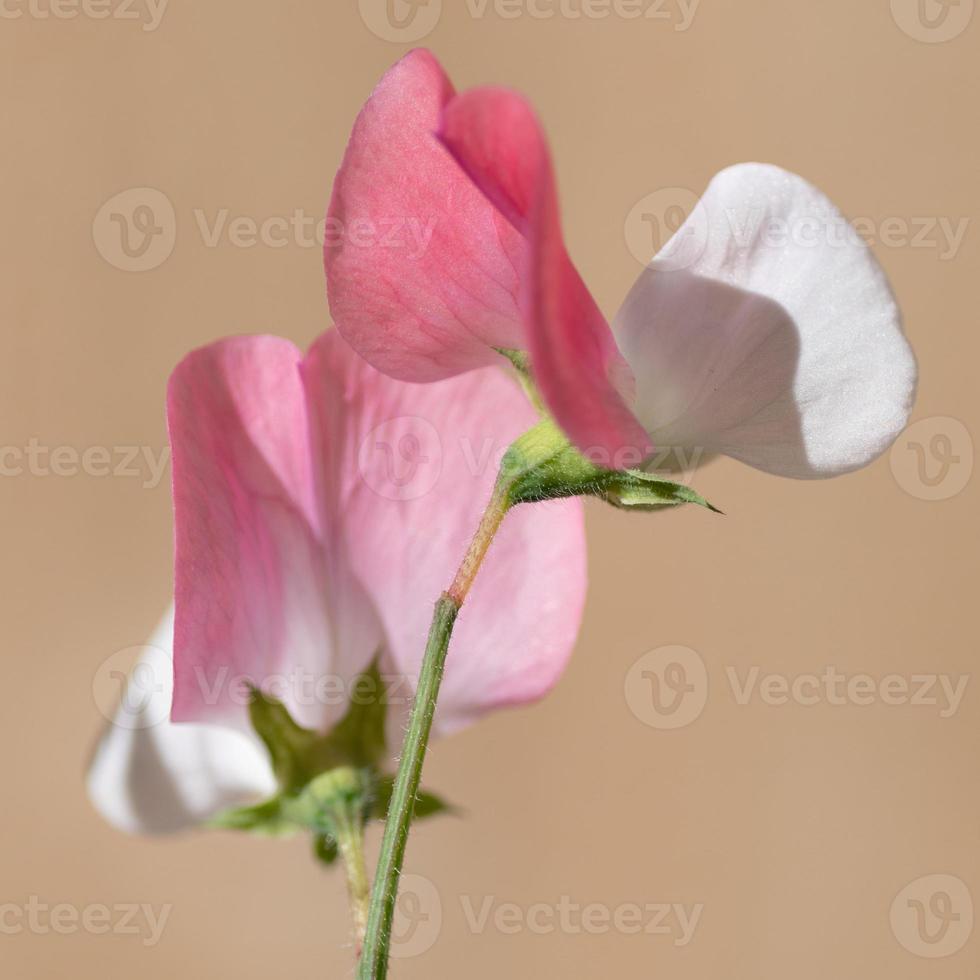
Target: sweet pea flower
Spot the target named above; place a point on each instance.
(320, 508)
(764, 330)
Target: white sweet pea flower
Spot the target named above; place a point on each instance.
(152, 776)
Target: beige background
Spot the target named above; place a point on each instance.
(794, 826)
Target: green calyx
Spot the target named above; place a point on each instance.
(543, 465)
(330, 785)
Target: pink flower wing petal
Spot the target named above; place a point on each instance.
(415, 473)
(497, 139)
(421, 269)
(253, 588)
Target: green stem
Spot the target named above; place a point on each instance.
(349, 831)
(374, 959)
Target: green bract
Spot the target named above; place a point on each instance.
(543, 465)
(328, 784)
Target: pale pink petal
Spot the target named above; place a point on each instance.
(766, 330)
(256, 589)
(422, 272)
(151, 776)
(413, 468)
(497, 139)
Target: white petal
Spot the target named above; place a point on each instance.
(151, 776)
(767, 331)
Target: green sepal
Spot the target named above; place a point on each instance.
(636, 490)
(543, 465)
(359, 737)
(327, 783)
(299, 754)
(264, 819)
(521, 362)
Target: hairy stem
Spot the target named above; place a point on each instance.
(350, 843)
(374, 959)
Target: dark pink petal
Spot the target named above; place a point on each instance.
(255, 581)
(421, 270)
(497, 139)
(409, 469)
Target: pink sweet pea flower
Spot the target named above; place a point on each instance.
(764, 330)
(321, 507)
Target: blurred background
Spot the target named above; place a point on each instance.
(777, 823)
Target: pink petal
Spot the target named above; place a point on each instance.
(410, 470)
(255, 582)
(283, 556)
(421, 270)
(496, 137)
(766, 330)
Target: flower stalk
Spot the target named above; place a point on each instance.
(540, 465)
(348, 827)
(374, 958)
